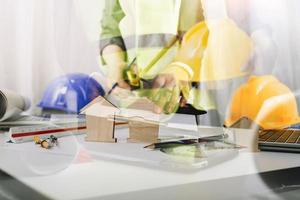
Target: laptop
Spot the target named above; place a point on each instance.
(283, 140)
(286, 140)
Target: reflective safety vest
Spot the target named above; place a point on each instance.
(208, 49)
(148, 26)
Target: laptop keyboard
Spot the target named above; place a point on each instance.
(280, 140)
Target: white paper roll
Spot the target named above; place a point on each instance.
(12, 104)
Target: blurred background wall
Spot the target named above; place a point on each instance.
(40, 40)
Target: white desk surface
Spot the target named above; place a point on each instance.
(76, 174)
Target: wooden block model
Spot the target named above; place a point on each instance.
(145, 131)
(99, 127)
(245, 123)
(143, 123)
(246, 133)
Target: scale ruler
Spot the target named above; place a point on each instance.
(59, 129)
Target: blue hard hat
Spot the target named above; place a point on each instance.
(70, 93)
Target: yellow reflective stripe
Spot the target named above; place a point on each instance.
(184, 66)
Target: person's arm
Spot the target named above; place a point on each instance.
(112, 48)
(110, 34)
(177, 76)
(209, 52)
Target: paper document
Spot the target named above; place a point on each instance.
(12, 104)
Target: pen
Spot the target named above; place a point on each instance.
(116, 84)
(113, 87)
(159, 145)
(164, 144)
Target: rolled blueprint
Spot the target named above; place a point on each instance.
(12, 104)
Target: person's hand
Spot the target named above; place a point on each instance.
(167, 88)
(114, 58)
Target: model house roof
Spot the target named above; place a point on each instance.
(141, 110)
(100, 107)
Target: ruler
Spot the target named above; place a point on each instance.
(58, 129)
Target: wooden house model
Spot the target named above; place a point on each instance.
(101, 123)
(100, 128)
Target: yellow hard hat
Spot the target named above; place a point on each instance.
(266, 101)
(215, 50)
